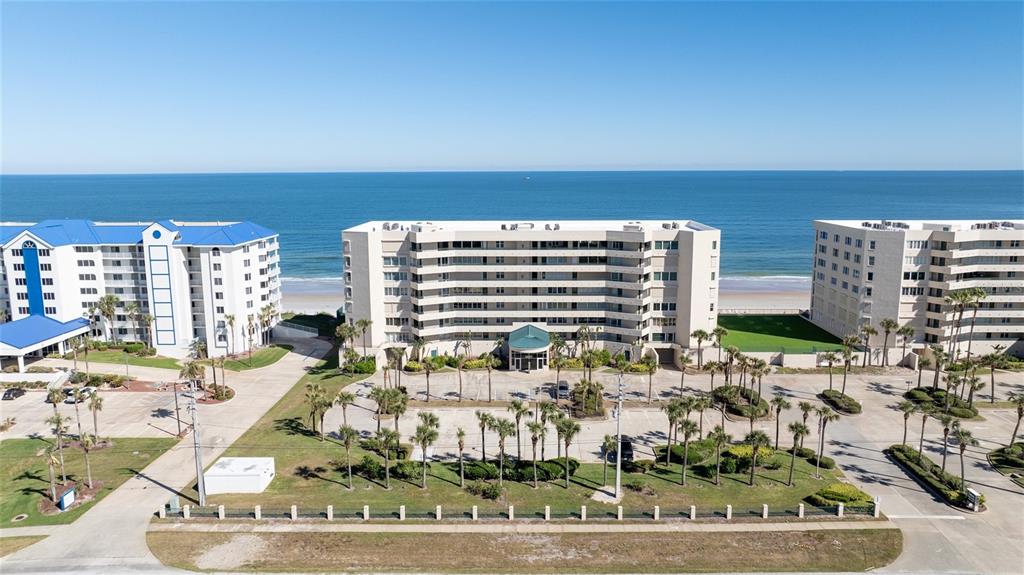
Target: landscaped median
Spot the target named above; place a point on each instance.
(1009, 461)
(945, 485)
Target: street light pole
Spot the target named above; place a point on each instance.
(618, 443)
(200, 483)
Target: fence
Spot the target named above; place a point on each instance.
(530, 513)
(295, 330)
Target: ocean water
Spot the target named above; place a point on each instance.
(765, 217)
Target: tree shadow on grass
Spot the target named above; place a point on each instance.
(306, 472)
(293, 426)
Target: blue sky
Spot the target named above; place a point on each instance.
(187, 87)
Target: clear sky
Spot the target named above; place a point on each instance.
(186, 87)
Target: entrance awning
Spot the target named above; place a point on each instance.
(36, 332)
(529, 339)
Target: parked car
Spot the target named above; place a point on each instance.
(627, 450)
(13, 393)
(562, 391)
(86, 393)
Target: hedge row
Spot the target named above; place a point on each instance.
(836, 493)
(745, 401)
(934, 401)
(841, 402)
(517, 470)
(946, 485)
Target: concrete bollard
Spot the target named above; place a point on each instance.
(220, 512)
(764, 511)
(257, 512)
(876, 508)
(330, 513)
(839, 510)
(618, 513)
(366, 512)
(800, 511)
(583, 512)
(693, 512)
(295, 512)
(547, 513)
(657, 512)
(162, 513)
(437, 513)
(401, 512)
(186, 512)
(728, 511)
(511, 512)
(475, 516)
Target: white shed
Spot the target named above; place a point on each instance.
(239, 475)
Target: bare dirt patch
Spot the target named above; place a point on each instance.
(233, 553)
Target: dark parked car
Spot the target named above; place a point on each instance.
(627, 450)
(13, 393)
(562, 390)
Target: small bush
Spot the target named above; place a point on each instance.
(773, 464)
(407, 469)
(365, 366)
(638, 466)
(841, 403)
(962, 412)
(802, 452)
(134, 347)
(834, 493)
(11, 369)
(370, 467)
(483, 489)
(146, 352)
(413, 366)
(479, 470)
(730, 465)
(744, 451)
(699, 451)
(39, 369)
(826, 462)
(917, 395)
(556, 467)
(635, 484)
(744, 403)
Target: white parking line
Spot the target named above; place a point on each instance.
(952, 517)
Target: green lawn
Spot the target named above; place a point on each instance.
(311, 474)
(118, 357)
(260, 358)
(24, 478)
(766, 333)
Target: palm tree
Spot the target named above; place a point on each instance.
(489, 364)
(537, 432)
(567, 429)
(701, 336)
(381, 397)
(779, 403)
(460, 359)
(975, 297)
(608, 444)
(920, 445)
(107, 306)
(761, 369)
(756, 440)
(848, 359)
(906, 333)
(557, 348)
(250, 330)
(348, 436)
(131, 309)
(59, 424)
(651, 366)
(346, 334)
(957, 300)
(888, 325)
(866, 333)
(428, 366)
(921, 365)
(425, 436)
(388, 439)
(584, 336)
(713, 367)
(907, 408)
(674, 411)
(398, 403)
(460, 435)
(719, 332)
(344, 399)
(484, 419)
(95, 406)
(230, 320)
(684, 361)
(87, 444)
(317, 403)
(974, 384)
(806, 408)
(830, 358)
(992, 361)
(363, 325)
(688, 428)
(947, 424)
(79, 396)
(418, 344)
(825, 416)
(732, 354)
(799, 431)
(964, 438)
(504, 428)
(940, 358)
(51, 464)
(701, 404)
(1017, 399)
(519, 410)
(548, 411)
(720, 439)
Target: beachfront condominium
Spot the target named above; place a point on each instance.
(174, 283)
(636, 284)
(867, 271)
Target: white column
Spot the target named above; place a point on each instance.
(21, 364)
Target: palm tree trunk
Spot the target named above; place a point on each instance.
(462, 471)
(992, 377)
(348, 463)
(428, 387)
(460, 383)
(535, 466)
(567, 465)
(387, 467)
(650, 388)
(792, 463)
(53, 483)
(88, 469)
(483, 444)
(501, 463)
(963, 472)
(945, 449)
(846, 370)
(920, 445)
(686, 456)
(718, 465)
(905, 421)
(668, 450)
(1016, 428)
(778, 419)
(753, 464)
(423, 483)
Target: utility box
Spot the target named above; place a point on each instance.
(239, 475)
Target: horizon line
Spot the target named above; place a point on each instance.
(508, 171)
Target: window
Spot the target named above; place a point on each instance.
(89, 291)
(392, 261)
(83, 249)
(86, 263)
(20, 281)
(87, 277)
(220, 309)
(833, 281)
(823, 235)
(848, 240)
(859, 243)
(19, 267)
(668, 276)
(215, 252)
(867, 291)
(846, 270)
(50, 310)
(856, 258)
(218, 281)
(216, 267)
(248, 290)
(871, 260)
(248, 277)
(47, 281)
(871, 244)
(856, 273)
(913, 291)
(396, 276)
(714, 244)
(846, 285)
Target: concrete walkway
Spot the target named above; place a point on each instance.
(111, 537)
(515, 527)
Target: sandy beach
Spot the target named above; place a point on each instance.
(310, 296)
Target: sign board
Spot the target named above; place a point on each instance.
(974, 498)
(67, 499)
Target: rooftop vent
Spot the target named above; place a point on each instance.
(387, 226)
(632, 227)
(558, 226)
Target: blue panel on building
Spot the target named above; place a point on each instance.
(33, 282)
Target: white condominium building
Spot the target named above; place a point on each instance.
(175, 282)
(640, 284)
(866, 271)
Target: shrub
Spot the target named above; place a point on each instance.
(571, 363)
(826, 462)
(773, 464)
(744, 451)
(134, 347)
(928, 472)
(699, 451)
(475, 364)
(802, 452)
(730, 465)
(370, 467)
(146, 352)
(450, 360)
(397, 454)
(78, 377)
(483, 489)
(11, 369)
(39, 369)
(635, 484)
(638, 466)
(834, 493)
(413, 366)
(479, 470)
(556, 467)
(636, 367)
(407, 469)
(745, 401)
(963, 412)
(365, 366)
(917, 395)
(840, 402)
